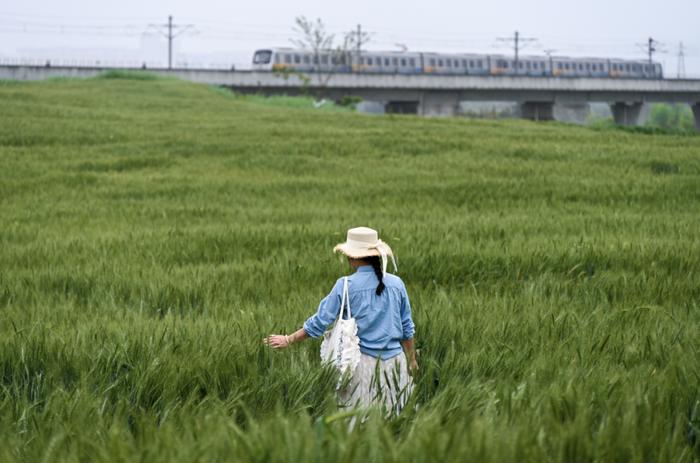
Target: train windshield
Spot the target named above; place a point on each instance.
(262, 57)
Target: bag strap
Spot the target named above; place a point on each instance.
(346, 299)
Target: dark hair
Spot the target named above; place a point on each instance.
(376, 264)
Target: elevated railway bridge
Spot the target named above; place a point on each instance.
(431, 95)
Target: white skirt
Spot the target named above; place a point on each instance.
(376, 382)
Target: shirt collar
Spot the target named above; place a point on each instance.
(365, 268)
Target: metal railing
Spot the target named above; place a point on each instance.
(116, 64)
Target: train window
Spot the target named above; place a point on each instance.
(432, 62)
(324, 59)
(439, 62)
(479, 63)
(412, 62)
(471, 63)
(307, 59)
(505, 64)
(456, 63)
(262, 57)
(535, 65)
(297, 59)
(386, 61)
(403, 61)
(614, 67)
(627, 67)
(287, 59)
(559, 66)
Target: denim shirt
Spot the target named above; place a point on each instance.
(382, 321)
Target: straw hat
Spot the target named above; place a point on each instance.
(364, 242)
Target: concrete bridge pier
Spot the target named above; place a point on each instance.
(537, 110)
(438, 104)
(626, 113)
(696, 112)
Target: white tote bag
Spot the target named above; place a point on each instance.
(341, 346)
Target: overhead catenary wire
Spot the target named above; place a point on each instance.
(226, 33)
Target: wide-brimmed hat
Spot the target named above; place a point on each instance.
(364, 242)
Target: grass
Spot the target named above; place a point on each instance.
(153, 231)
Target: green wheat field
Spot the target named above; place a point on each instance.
(152, 231)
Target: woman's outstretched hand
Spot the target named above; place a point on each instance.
(282, 341)
(277, 341)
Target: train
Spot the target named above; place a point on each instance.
(393, 62)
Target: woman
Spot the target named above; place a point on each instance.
(380, 306)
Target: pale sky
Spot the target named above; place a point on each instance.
(227, 32)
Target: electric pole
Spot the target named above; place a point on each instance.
(360, 38)
(651, 47)
(170, 31)
(549, 53)
(518, 43)
(170, 41)
(681, 61)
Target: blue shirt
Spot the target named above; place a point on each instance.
(382, 321)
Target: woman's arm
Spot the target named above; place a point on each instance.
(281, 341)
(316, 324)
(410, 350)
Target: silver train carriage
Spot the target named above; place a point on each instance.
(392, 62)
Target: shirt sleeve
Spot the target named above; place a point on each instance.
(409, 328)
(327, 312)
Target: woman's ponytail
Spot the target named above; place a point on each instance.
(376, 263)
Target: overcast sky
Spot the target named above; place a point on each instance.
(228, 32)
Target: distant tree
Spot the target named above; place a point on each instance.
(671, 117)
(312, 36)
